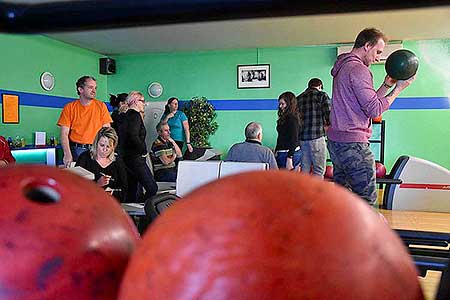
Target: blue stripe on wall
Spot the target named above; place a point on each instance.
(421, 103)
(30, 99)
(272, 104)
(253, 104)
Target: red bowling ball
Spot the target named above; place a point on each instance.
(61, 236)
(270, 235)
(377, 119)
(380, 170)
(329, 172)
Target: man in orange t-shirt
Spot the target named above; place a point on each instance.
(80, 120)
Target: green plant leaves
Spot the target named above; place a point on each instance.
(201, 115)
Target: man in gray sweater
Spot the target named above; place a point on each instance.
(251, 150)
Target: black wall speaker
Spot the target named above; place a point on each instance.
(107, 66)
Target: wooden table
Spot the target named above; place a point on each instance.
(421, 221)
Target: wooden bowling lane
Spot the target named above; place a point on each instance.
(421, 221)
(417, 220)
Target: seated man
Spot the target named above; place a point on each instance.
(252, 150)
(6, 157)
(165, 151)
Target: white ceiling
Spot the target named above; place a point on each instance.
(407, 24)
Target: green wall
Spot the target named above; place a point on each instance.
(213, 74)
(421, 133)
(24, 58)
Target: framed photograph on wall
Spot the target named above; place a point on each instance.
(253, 76)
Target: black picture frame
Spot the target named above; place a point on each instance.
(253, 76)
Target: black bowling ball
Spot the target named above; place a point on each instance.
(401, 64)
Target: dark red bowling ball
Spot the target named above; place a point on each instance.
(329, 172)
(61, 237)
(380, 170)
(402, 64)
(270, 235)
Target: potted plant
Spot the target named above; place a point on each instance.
(201, 116)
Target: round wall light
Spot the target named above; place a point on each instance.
(155, 89)
(47, 81)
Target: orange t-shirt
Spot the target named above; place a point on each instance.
(84, 121)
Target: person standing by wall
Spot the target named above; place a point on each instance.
(178, 124)
(132, 135)
(120, 107)
(80, 120)
(354, 103)
(314, 106)
(287, 150)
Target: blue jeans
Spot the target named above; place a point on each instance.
(281, 157)
(168, 175)
(138, 172)
(315, 154)
(354, 168)
(76, 152)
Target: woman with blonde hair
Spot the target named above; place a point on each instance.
(109, 171)
(134, 150)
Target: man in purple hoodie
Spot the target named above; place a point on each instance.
(354, 103)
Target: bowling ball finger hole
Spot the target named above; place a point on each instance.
(41, 193)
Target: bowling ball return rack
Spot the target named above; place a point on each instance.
(416, 184)
(430, 251)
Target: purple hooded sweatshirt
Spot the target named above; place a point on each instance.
(354, 101)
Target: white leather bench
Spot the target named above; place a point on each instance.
(193, 174)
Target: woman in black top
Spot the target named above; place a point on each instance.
(109, 171)
(132, 134)
(287, 151)
(119, 105)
